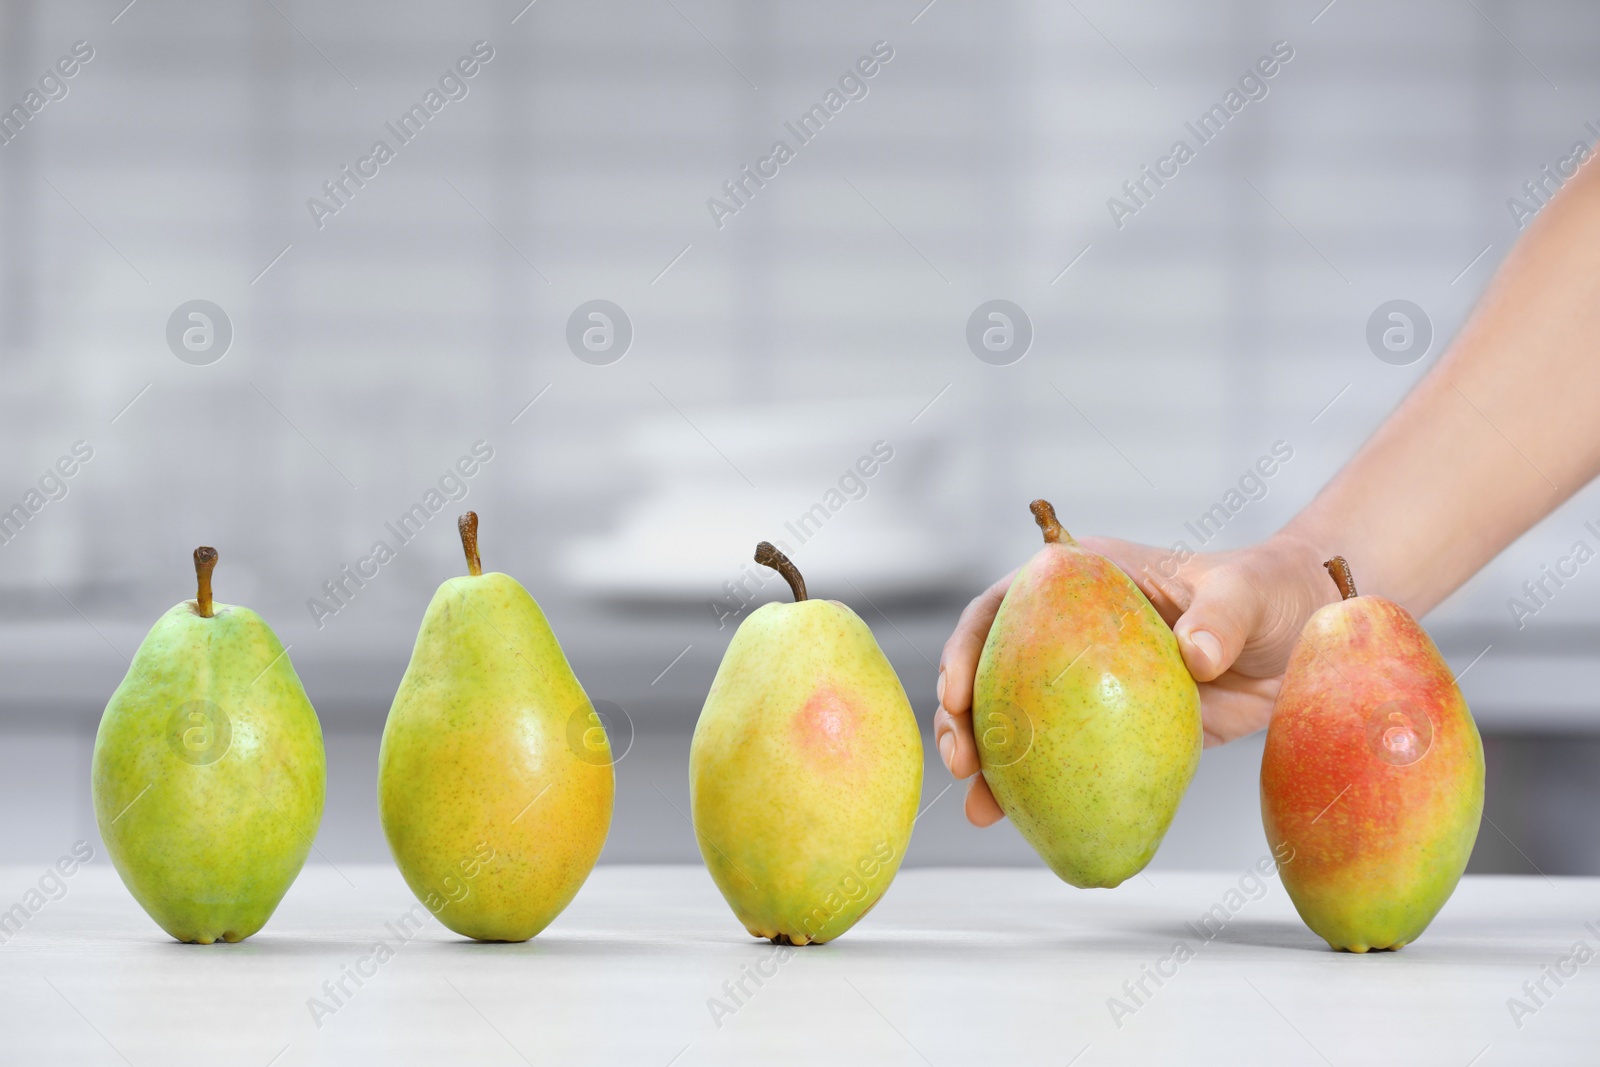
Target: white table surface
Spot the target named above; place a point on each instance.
(954, 967)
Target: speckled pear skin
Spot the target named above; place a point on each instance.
(1087, 721)
(804, 773)
(1371, 778)
(207, 824)
(495, 782)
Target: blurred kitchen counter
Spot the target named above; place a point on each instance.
(955, 966)
(656, 663)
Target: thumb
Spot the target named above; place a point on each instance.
(1220, 619)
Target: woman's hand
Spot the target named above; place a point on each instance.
(1236, 616)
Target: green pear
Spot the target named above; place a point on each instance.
(494, 778)
(209, 771)
(805, 769)
(1086, 719)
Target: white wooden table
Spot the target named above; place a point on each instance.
(964, 967)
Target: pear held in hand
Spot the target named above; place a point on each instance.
(209, 771)
(1086, 719)
(1372, 777)
(805, 769)
(494, 777)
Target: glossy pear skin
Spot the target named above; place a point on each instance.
(805, 772)
(1086, 719)
(495, 782)
(209, 774)
(1376, 844)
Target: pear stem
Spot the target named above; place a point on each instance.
(1045, 515)
(205, 561)
(468, 525)
(767, 555)
(1339, 571)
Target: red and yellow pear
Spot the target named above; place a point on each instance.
(1372, 777)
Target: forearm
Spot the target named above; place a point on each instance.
(1500, 432)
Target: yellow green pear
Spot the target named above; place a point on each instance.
(209, 771)
(805, 769)
(494, 776)
(1086, 718)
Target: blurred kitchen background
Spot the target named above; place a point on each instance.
(818, 322)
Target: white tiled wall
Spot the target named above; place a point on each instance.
(824, 316)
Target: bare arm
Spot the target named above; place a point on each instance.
(1505, 428)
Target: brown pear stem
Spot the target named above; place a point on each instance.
(205, 561)
(1339, 571)
(767, 555)
(468, 525)
(1045, 515)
